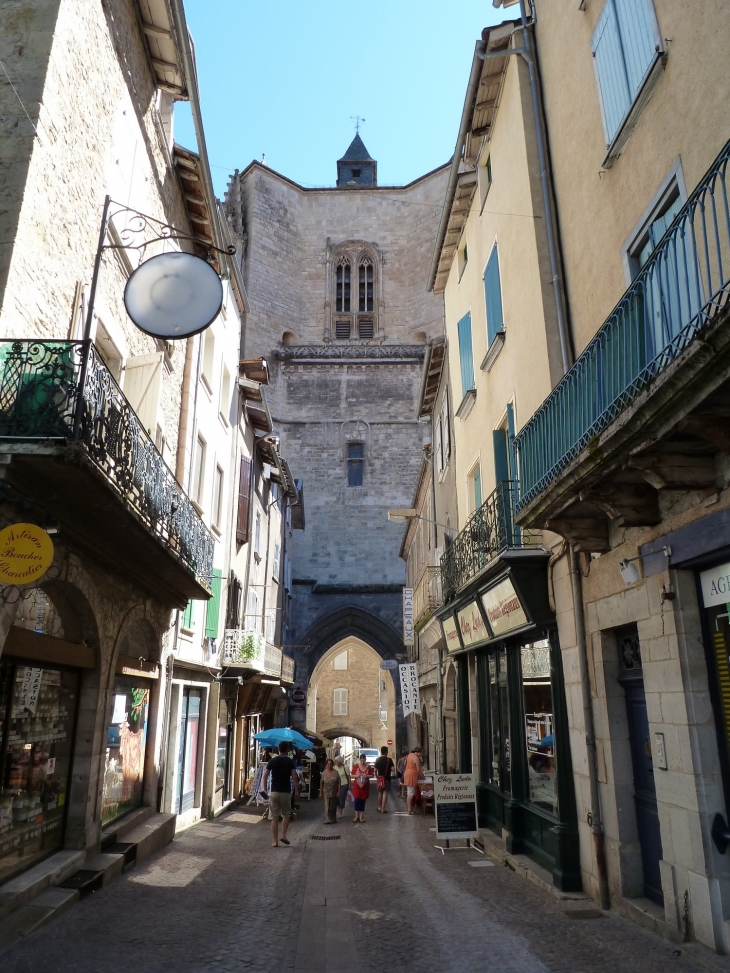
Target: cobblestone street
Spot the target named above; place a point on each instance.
(378, 898)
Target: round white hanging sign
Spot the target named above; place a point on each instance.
(173, 296)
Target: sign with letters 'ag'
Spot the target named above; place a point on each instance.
(409, 688)
(456, 806)
(408, 616)
(716, 586)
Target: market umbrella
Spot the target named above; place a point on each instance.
(272, 738)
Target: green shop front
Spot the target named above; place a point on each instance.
(502, 636)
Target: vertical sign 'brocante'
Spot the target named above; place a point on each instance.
(409, 688)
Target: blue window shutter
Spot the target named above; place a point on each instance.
(466, 355)
(213, 608)
(493, 296)
(511, 441)
(501, 455)
(635, 24)
(188, 615)
(613, 83)
(477, 487)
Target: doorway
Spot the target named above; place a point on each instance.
(631, 678)
(187, 758)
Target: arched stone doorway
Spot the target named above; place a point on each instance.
(349, 694)
(450, 740)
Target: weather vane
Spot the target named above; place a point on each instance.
(358, 122)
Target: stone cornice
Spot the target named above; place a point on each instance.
(351, 353)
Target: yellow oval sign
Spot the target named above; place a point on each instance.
(26, 553)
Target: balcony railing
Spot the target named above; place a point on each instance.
(249, 649)
(288, 668)
(489, 531)
(427, 594)
(46, 393)
(677, 292)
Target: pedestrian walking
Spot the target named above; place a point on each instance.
(360, 783)
(329, 789)
(384, 771)
(344, 783)
(283, 772)
(401, 770)
(411, 776)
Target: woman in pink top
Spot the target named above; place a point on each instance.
(411, 776)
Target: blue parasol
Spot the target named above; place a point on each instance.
(272, 738)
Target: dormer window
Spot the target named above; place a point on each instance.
(342, 297)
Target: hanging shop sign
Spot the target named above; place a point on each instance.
(26, 553)
(471, 625)
(451, 634)
(409, 688)
(389, 664)
(408, 616)
(503, 608)
(716, 586)
(456, 806)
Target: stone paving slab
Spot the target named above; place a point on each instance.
(381, 899)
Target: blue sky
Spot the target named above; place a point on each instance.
(284, 78)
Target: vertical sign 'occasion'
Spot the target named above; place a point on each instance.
(408, 616)
(409, 688)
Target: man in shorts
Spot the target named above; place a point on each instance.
(384, 769)
(283, 772)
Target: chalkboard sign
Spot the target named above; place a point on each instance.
(456, 820)
(456, 806)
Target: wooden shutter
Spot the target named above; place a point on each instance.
(213, 608)
(188, 616)
(244, 501)
(466, 356)
(445, 430)
(143, 388)
(493, 296)
(613, 83)
(639, 42)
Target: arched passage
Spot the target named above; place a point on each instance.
(350, 695)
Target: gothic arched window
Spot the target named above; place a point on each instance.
(342, 297)
(366, 285)
(355, 314)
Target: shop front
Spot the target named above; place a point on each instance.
(503, 638)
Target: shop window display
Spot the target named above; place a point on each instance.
(539, 726)
(223, 754)
(37, 714)
(125, 749)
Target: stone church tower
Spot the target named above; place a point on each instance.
(336, 280)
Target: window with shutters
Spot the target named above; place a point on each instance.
(342, 329)
(340, 660)
(626, 45)
(271, 626)
(198, 471)
(339, 702)
(442, 446)
(466, 355)
(354, 300)
(252, 619)
(217, 512)
(188, 617)
(493, 296)
(475, 487)
(213, 606)
(244, 500)
(233, 605)
(143, 388)
(276, 562)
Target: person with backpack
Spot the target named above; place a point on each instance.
(384, 772)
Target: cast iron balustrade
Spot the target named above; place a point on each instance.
(248, 649)
(47, 394)
(288, 668)
(427, 594)
(489, 531)
(683, 285)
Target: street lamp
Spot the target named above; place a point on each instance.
(403, 514)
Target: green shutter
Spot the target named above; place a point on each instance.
(493, 297)
(188, 615)
(466, 357)
(213, 608)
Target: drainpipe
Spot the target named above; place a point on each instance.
(594, 815)
(563, 331)
(440, 758)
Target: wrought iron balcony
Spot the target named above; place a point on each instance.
(288, 668)
(62, 391)
(680, 289)
(427, 595)
(488, 532)
(247, 648)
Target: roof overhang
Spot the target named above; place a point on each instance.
(190, 174)
(433, 366)
(163, 48)
(477, 121)
(269, 448)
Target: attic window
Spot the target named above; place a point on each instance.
(342, 329)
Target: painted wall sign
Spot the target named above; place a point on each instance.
(456, 805)
(716, 586)
(471, 625)
(26, 553)
(408, 616)
(409, 688)
(504, 608)
(451, 635)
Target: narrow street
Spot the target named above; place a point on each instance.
(376, 898)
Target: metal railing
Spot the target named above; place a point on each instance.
(62, 390)
(683, 284)
(249, 649)
(288, 668)
(427, 594)
(489, 531)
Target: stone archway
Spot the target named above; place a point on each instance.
(349, 694)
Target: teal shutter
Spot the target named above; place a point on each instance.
(477, 488)
(636, 27)
(493, 296)
(213, 608)
(466, 355)
(189, 615)
(501, 456)
(611, 71)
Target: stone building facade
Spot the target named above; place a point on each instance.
(339, 309)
